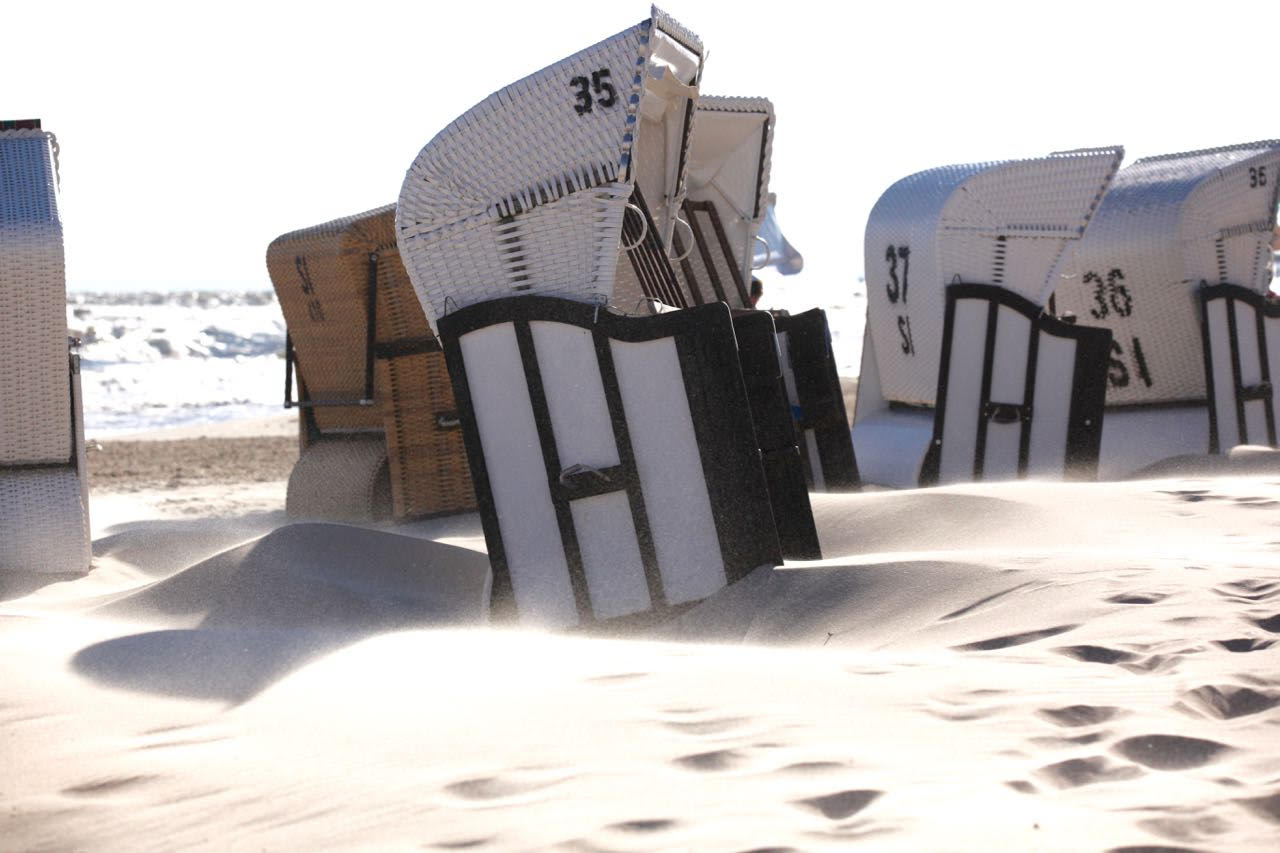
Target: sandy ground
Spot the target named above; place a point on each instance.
(1030, 666)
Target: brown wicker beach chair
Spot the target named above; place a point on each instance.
(377, 420)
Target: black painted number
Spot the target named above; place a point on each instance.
(598, 85)
(904, 331)
(1118, 372)
(898, 290)
(1257, 176)
(1109, 295)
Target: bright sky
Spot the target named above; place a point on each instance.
(193, 135)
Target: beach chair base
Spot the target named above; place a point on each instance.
(615, 466)
(1020, 393)
(341, 478)
(1241, 330)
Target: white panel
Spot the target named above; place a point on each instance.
(964, 391)
(670, 469)
(1008, 385)
(1224, 394)
(1051, 406)
(1255, 413)
(1271, 327)
(575, 395)
(518, 476)
(890, 446)
(1133, 438)
(610, 555)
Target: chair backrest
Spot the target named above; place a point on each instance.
(35, 395)
(614, 459)
(1004, 225)
(525, 192)
(1168, 225)
(727, 198)
(381, 336)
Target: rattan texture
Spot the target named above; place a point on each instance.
(35, 410)
(525, 192)
(1169, 224)
(1003, 223)
(428, 464)
(730, 160)
(44, 526)
(342, 478)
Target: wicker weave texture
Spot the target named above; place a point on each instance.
(1005, 223)
(729, 165)
(35, 419)
(1169, 224)
(429, 470)
(44, 524)
(320, 275)
(525, 192)
(342, 478)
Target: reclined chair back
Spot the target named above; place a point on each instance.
(972, 370)
(44, 508)
(726, 201)
(486, 204)
(376, 408)
(1169, 225)
(614, 460)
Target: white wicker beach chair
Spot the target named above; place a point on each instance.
(614, 459)
(1169, 226)
(44, 507)
(958, 359)
(525, 192)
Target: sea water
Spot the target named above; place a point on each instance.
(162, 359)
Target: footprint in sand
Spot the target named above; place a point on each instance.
(1096, 654)
(842, 804)
(1087, 771)
(1080, 715)
(1248, 590)
(516, 784)
(643, 827)
(712, 762)
(1244, 644)
(707, 728)
(1153, 848)
(1170, 752)
(1230, 701)
(1138, 598)
(1271, 624)
(1267, 808)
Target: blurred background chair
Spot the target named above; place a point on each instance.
(964, 376)
(44, 498)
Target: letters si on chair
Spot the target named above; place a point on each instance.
(44, 505)
(378, 423)
(615, 463)
(1177, 232)
(964, 376)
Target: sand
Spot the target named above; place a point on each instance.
(1038, 666)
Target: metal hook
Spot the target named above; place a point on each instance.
(688, 251)
(768, 253)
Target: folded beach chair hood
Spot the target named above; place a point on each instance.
(525, 192)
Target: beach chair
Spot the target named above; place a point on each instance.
(615, 461)
(44, 499)
(964, 376)
(1159, 266)
(378, 423)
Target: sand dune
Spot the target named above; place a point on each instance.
(1014, 666)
